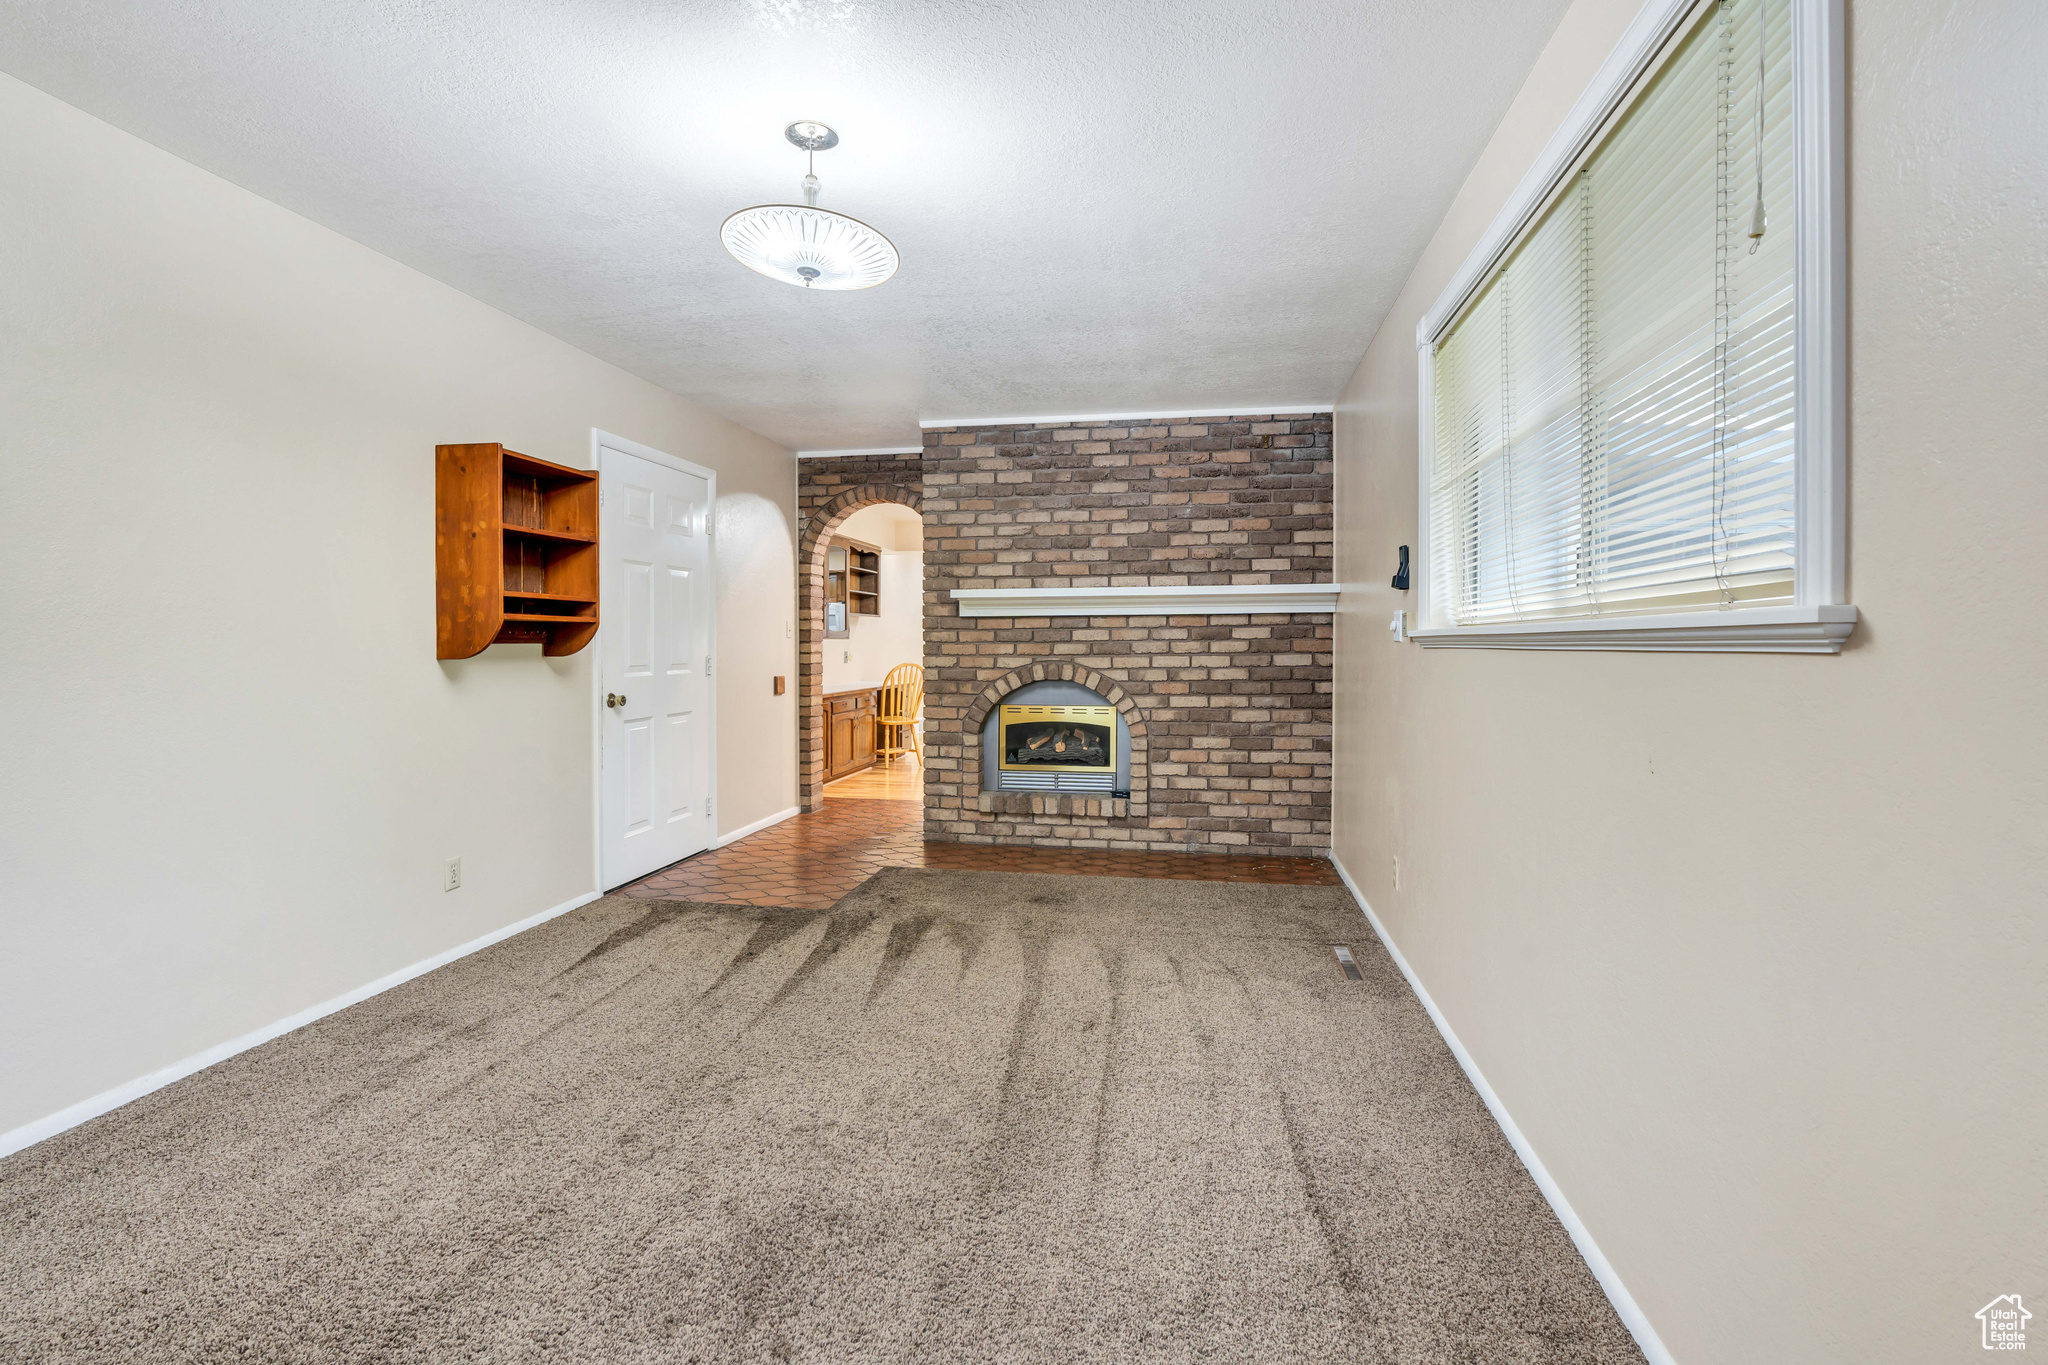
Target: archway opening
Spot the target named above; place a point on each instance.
(861, 615)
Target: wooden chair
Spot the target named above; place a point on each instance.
(902, 695)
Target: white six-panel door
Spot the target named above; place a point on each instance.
(655, 647)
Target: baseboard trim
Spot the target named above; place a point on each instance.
(744, 830)
(106, 1101)
(1625, 1305)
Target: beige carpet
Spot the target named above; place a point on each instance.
(961, 1117)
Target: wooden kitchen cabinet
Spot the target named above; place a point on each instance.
(849, 732)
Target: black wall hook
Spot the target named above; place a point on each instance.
(1401, 574)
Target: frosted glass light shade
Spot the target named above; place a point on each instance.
(812, 247)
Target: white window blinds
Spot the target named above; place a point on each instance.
(1613, 410)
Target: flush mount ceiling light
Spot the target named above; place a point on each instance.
(804, 244)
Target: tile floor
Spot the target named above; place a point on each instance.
(875, 819)
(807, 862)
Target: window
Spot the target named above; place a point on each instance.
(1630, 394)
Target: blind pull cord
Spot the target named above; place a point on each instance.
(1757, 220)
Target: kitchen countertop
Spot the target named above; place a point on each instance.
(854, 687)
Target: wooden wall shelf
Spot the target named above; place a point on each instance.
(853, 575)
(515, 551)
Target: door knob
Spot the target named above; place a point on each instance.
(614, 699)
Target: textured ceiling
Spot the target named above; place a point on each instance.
(1102, 205)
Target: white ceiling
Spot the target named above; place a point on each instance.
(1102, 205)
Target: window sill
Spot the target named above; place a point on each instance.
(1756, 630)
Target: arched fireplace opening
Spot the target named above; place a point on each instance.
(979, 763)
(1056, 736)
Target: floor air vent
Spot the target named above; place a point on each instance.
(1346, 961)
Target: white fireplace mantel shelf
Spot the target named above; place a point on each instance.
(1221, 599)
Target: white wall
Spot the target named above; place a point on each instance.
(233, 768)
(886, 526)
(1753, 947)
(877, 644)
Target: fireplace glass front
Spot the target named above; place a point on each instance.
(1058, 739)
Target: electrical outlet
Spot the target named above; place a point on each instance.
(454, 877)
(846, 656)
(1397, 872)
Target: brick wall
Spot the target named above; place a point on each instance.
(821, 482)
(827, 491)
(1230, 715)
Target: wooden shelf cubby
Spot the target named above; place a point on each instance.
(853, 575)
(515, 551)
(864, 580)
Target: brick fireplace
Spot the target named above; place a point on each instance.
(1227, 714)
